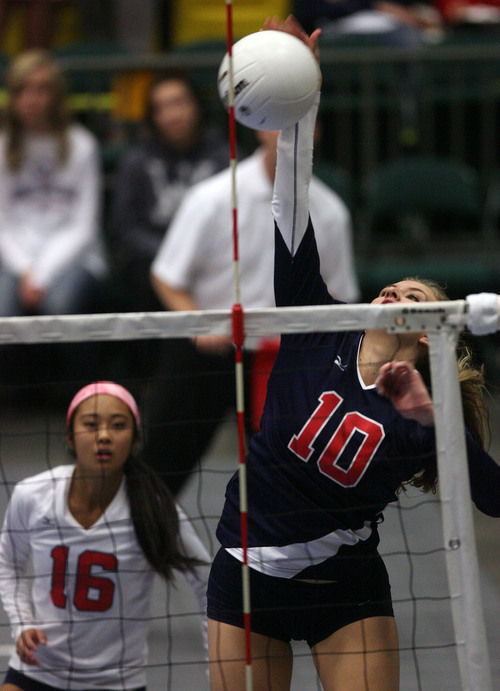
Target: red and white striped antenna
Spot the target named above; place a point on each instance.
(238, 340)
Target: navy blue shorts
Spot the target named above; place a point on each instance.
(288, 609)
(28, 684)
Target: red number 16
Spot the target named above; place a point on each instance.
(84, 580)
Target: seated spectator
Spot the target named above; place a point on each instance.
(152, 178)
(51, 256)
(397, 23)
(194, 386)
(484, 14)
(50, 253)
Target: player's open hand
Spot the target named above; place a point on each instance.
(292, 26)
(402, 384)
(27, 645)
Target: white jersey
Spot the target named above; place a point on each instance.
(92, 588)
(50, 213)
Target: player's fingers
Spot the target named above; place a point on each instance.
(401, 367)
(313, 42)
(389, 379)
(400, 376)
(382, 382)
(398, 372)
(384, 371)
(39, 636)
(28, 658)
(26, 641)
(292, 26)
(274, 23)
(295, 27)
(26, 645)
(297, 30)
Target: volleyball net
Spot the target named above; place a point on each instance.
(427, 540)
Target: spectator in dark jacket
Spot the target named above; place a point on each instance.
(154, 175)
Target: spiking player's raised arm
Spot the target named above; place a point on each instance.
(290, 204)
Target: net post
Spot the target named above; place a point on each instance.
(456, 508)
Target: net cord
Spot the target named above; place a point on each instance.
(258, 322)
(456, 509)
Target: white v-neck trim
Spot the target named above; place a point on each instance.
(104, 516)
(364, 386)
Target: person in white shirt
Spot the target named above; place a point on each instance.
(95, 532)
(51, 255)
(194, 270)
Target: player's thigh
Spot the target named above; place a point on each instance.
(360, 656)
(10, 687)
(272, 660)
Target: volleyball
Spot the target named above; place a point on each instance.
(275, 76)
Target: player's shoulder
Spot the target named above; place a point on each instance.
(42, 482)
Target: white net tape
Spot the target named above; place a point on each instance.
(258, 322)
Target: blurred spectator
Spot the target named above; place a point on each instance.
(131, 24)
(51, 257)
(194, 387)
(153, 177)
(38, 20)
(50, 185)
(483, 14)
(397, 23)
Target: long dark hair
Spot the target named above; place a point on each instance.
(472, 388)
(155, 519)
(154, 514)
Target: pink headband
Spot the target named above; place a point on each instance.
(104, 387)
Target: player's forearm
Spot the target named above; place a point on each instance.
(16, 599)
(290, 204)
(172, 298)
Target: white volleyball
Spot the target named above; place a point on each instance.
(275, 76)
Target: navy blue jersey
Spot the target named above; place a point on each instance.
(331, 452)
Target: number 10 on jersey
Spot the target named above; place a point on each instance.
(350, 450)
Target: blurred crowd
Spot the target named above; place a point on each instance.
(63, 228)
(157, 25)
